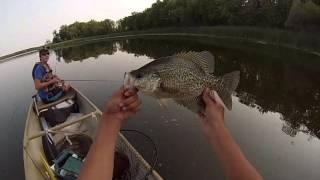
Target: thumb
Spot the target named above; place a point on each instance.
(206, 97)
(214, 95)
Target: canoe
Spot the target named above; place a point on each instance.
(36, 163)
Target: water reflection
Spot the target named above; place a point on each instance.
(272, 80)
(78, 53)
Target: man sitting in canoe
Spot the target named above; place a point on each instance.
(49, 86)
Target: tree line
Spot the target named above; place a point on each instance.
(83, 29)
(293, 14)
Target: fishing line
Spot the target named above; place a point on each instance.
(155, 150)
(84, 80)
(91, 80)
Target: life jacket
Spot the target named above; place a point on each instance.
(51, 88)
(46, 76)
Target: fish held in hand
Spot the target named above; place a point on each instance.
(183, 77)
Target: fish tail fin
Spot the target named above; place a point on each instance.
(227, 86)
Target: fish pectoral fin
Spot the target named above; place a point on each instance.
(228, 85)
(194, 104)
(203, 59)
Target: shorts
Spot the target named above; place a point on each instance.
(53, 96)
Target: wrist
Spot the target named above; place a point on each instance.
(109, 126)
(218, 125)
(216, 129)
(111, 119)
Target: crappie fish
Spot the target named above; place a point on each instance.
(183, 77)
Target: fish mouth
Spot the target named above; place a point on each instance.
(128, 81)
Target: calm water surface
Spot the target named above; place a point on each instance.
(275, 117)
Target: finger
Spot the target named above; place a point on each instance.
(129, 100)
(130, 92)
(132, 106)
(201, 114)
(137, 109)
(133, 111)
(206, 97)
(203, 120)
(214, 95)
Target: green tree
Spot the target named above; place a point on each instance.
(304, 15)
(84, 29)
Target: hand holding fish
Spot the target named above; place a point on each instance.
(233, 161)
(123, 104)
(213, 114)
(99, 162)
(54, 80)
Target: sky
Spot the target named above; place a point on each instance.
(29, 23)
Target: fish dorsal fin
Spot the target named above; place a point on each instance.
(204, 59)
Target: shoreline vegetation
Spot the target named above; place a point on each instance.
(293, 24)
(302, 41)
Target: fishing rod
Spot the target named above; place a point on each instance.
(125, 79)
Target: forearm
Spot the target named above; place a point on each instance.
(42, 85)
(99, 161)
(234, 163)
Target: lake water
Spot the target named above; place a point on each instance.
(275, 117)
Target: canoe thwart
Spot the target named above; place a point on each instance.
(63, 125)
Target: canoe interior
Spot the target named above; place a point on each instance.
(34, 168)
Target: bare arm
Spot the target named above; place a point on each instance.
(40, 85)
(99, 161)
(233, 161)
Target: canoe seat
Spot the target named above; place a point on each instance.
(71, 94)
